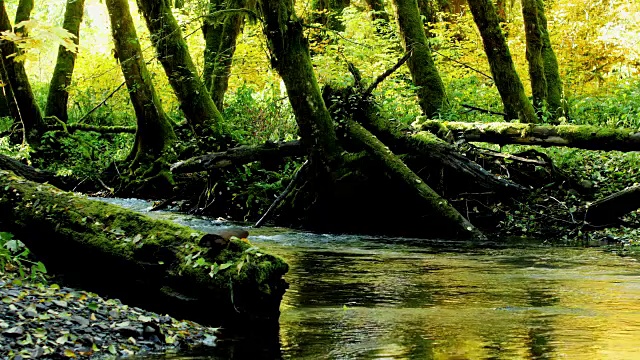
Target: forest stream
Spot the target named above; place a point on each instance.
(358, 297)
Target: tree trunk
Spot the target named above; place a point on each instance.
(212, 32)
(431, 93)
(290, 57)
(196, 103)
(556, 101)
(516, 103)
(434, 205)
(327, 13)
(533, 35)
(29, 112)
(231, 29)
(23, 13)
(155, 264)
(577, 136)
(378, 11)
(58, 98)
(501, 9)
(154, 135)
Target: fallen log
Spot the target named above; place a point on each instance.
(448, 217)
(33, 174)
(71, 128)
(238, 156)
(149, 263)
(608, 210)
(577, 136)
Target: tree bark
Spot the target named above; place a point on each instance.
(533, 35)
(435, 205)
(516, 103)
(290, 57)
(212, 32)
(196, 103)
(556, 101)
(151, 263)
(58, 98)
(231, 29)
(29, 112)
(431, 93)
(576, 136)
(154, 135)
(23, 13)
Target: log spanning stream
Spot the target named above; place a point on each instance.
(354, 297)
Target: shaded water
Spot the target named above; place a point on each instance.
(355, 297)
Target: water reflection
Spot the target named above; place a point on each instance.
(361, 298)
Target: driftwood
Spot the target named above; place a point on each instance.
(435, 205)
(150, 263)
(607, 210)
(578, 136)
(238, 156)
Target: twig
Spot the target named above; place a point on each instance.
(279, 199)
(463, 64)
(482, 110)
(510, 157)
(386, 74)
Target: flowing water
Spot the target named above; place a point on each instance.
(354, 297)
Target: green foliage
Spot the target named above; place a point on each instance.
(14, 258)
(257, 116)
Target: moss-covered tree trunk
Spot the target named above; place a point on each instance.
(173, 53)
(154, 135)
(58, 98)
(155, 264)
(212, 32)
(223, 59)
(516, 103)
(556, 101)
(290, 57)
(533, 35)
(431, 93)
(29, 112)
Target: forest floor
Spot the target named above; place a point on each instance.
(51, 322)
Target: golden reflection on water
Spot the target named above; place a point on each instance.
(489, 304)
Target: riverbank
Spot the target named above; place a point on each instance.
(51, 322)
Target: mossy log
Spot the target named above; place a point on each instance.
(577, 136)
(149, 263)
(238, 156)
(435, 205)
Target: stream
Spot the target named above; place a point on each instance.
(358, 297)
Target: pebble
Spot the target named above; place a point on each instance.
(52, 322)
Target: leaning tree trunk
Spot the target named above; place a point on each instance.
(173, 53)
(555, 94)
(29, 112)
(154, 135)
(516, 103)
(231, 28)
(58, 98)
(533, 35)
(290, 57)
(431, 93)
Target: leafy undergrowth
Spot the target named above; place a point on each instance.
(17, 263)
